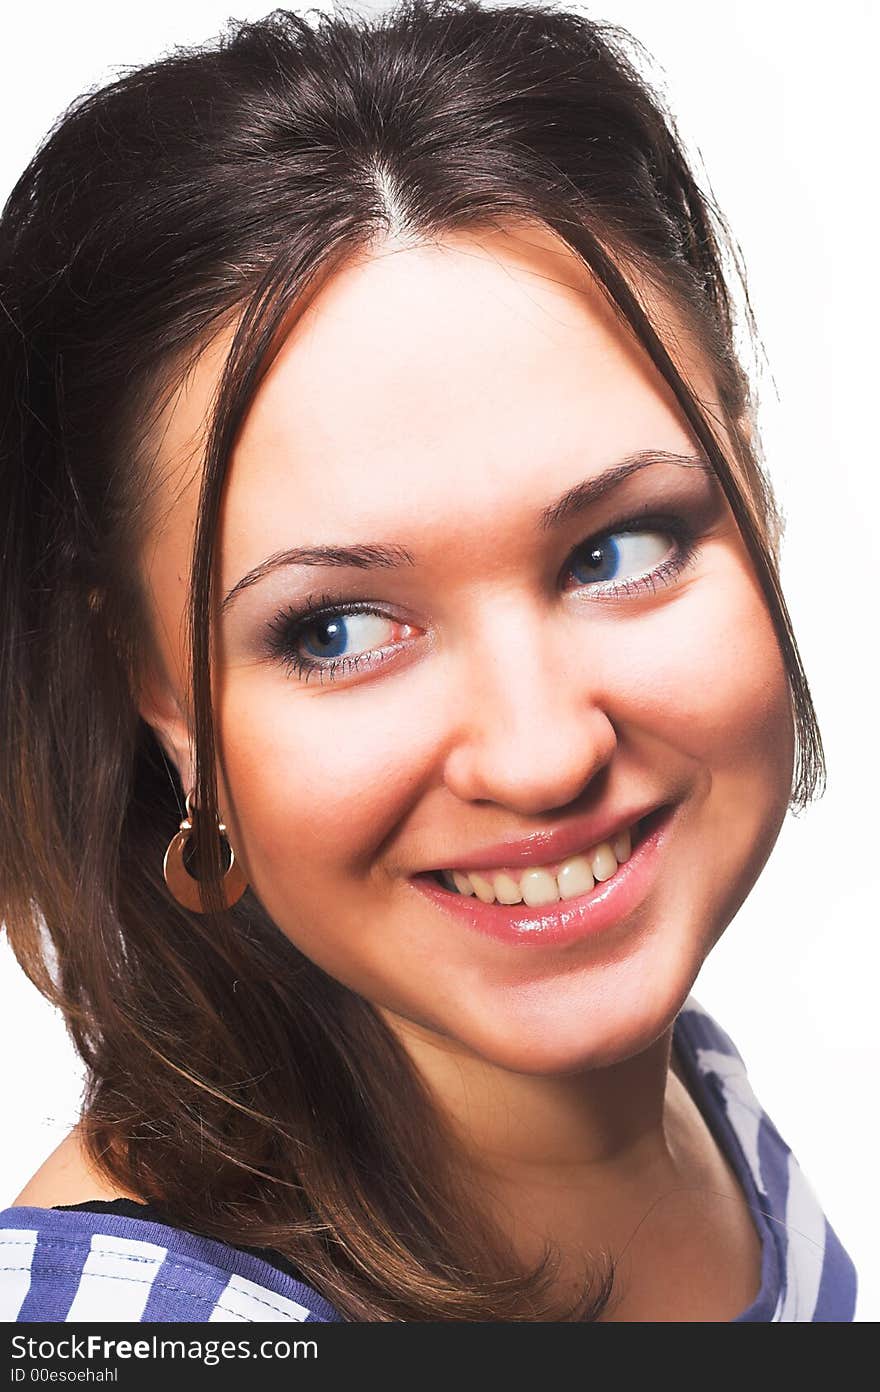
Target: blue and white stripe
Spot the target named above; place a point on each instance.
(807, 1274)
(70, 1266)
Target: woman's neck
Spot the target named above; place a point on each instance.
(602, 1121)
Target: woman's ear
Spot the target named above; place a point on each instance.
(160, 708)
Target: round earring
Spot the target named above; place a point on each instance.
(184, 886)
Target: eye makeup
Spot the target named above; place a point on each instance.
(282, 640)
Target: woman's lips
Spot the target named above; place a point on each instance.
(569, 920)
(553, 845)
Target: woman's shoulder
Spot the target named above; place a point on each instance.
(74, 1247)
(69, 1176)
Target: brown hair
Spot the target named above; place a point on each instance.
(228, 1077)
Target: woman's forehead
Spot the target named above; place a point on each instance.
(474, 367)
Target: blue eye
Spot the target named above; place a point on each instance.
(338, 632)
(330, 636)
(622, 555)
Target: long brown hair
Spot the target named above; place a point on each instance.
(228, 1077)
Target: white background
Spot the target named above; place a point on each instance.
(773, 100)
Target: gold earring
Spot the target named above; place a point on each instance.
(184, 886)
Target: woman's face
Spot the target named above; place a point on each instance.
(437, 401)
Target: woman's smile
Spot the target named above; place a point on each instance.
(566, 905)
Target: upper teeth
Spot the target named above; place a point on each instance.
(539, 884)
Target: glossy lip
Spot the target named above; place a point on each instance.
(552, 847)
(571, 919)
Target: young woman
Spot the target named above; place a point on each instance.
(398, 697)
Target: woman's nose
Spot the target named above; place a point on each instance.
(531, 730)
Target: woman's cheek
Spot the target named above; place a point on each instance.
(710, 705)
(704, 672)
(747, 722)
(317, 777)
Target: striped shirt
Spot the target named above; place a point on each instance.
(73, 1265)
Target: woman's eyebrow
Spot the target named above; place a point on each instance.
(384, 555)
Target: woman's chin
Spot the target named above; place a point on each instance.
(538, 1033)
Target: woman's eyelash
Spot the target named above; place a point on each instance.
(684, 553)
(285, 630)
(289, 624)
